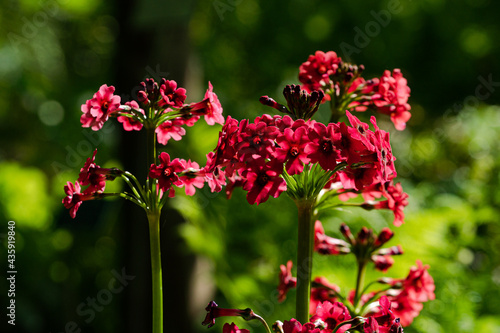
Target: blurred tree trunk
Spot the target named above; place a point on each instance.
(153, 43)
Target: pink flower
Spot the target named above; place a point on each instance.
(232, 328)
(384, 320)
(316, 71)
(97, 110)
(321, 147)
(75, 197)
(166, 172)
(226, 146)
(171, 96)
(391, 98)
(291, 149)
(214, 175)
(294, 326)
(287, 281)
(256, 140)
(321, 291)
(396, 201)
(170, 129)
(131, 124)
(332, 314)
(192, 177)
(262, 181)
(382, 262)
(419, 285)
(213, 312)
(385, 159)
(87, 175)
(213, 113)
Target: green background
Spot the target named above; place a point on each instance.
(55, 54)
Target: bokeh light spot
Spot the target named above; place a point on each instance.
(51, 113)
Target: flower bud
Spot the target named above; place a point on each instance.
(383, 237)
(344, 229)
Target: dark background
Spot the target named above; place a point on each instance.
(55, 54)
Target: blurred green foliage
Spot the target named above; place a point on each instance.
(55, 54)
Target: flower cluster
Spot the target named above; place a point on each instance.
(159, 105)
(262, 156)
(405, 296)
(343, 85)
(160, 108)
(92, 176)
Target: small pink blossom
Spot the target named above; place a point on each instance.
(131, 124)
(192, 177)
(97, 110)
(286, 280)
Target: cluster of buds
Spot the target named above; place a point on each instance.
(367, 246)
(405, 296)
(301, 104)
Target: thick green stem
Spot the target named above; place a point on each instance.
(305, 248)
(360, 280)
(154, 238)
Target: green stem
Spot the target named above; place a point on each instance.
(151, 143)
(360, 280)
(259, 318)
(154, 238)
(305, 248)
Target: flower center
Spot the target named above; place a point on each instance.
(256, 140)
(167, 172)
(262, 179)
(294, 151)
(105, 106)
(326, 146)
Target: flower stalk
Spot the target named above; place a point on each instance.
(157, 288)
(305, 249)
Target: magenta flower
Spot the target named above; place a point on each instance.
(166, 172)
(131, 124)
(210, 107)
(391, 98)
(75, 197)
(232, 328)
(294, 326)
(291, 149)
(170, 129)
(384, 320)
(192, 177)
(97, 110)
(419, 285)
(214, 175)
(321, 148)
(213, 312)
(88, 176)
(322, 291)
(316, 71)
(332, 314)
(286, 280)
(261, 182)
(396, 201)
(256, 140)
(171, 96)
